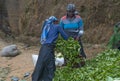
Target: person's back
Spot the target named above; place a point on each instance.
(45, 67)
(53, 32)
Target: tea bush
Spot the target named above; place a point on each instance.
(103, 67)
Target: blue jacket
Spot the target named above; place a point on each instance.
(72, 27)
(53, 34)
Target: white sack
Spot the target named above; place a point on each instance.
(58, 61)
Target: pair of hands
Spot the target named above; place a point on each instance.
(79, 35)
(76, 38)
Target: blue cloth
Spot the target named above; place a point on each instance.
(44, 33)
(72, 26)
(49, 21)
(53, 33)
(75, 24)
(45, 22)
(45, 28)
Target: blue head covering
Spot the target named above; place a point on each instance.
(46, 28)
(53, 18)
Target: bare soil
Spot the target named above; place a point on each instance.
(22, 63)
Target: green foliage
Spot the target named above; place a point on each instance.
(101, 68)
(112, 79)
(115, 38)
(70, 50)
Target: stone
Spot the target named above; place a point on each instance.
(10, 51)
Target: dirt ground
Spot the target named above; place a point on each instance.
(22, 63)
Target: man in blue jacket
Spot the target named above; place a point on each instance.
(73, 26)
(45, 67)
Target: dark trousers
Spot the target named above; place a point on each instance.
(119, 47)
(45, 66)
(82, 49)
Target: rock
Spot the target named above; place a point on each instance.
(10, 51)
(14, 79)
(26, 74)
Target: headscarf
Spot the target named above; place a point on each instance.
(46, 28)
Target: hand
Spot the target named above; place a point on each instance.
(77, 38)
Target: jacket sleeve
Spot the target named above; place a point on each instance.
(81, 29)
(61, 23)
(62, 33)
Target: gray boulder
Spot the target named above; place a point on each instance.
(10, 51)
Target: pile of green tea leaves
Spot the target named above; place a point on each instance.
(70, 50)
(104, 67)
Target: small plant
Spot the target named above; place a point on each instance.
(114, 41)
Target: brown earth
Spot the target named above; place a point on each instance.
(22, 63)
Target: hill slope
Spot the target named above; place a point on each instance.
(26, 17)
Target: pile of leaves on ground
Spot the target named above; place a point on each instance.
(70, 50)
(104, 67)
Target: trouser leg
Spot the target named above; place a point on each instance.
(39, 68)
(82, 49)
(49, 70)
(119, 47)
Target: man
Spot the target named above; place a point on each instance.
(45, 67)
(73, 26)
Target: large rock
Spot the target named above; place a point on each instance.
(10, 51)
